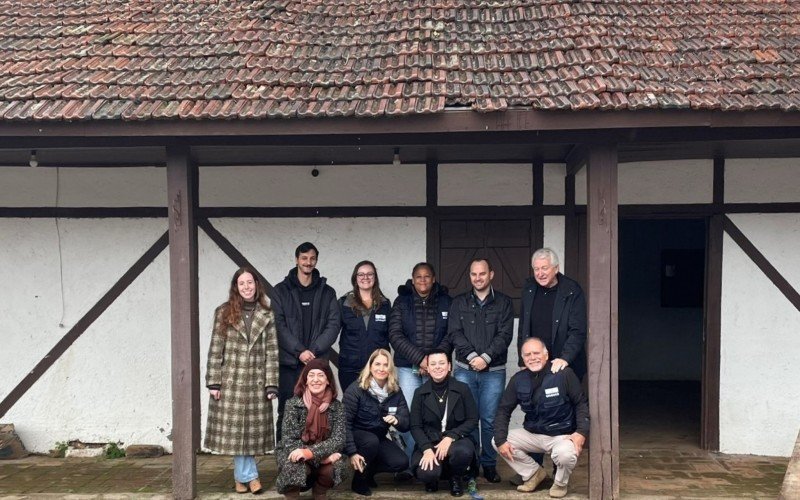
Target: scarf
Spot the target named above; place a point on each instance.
(317, 427)
(378, 392)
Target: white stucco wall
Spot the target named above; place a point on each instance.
(113, 383)
(760, 345)
(658, 182)
(553, 183)
(484, 184)
(554, 237)
(766, 180)
(83, 187)
(293, 185)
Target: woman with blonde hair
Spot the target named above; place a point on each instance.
(242, 378)
(372, 404)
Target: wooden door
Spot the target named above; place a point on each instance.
(506, 243)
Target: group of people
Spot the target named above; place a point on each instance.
(423, 379)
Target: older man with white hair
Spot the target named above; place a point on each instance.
(554, 310)
(556, 420)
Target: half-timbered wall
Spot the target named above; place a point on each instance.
(113, 382)
(759, 371)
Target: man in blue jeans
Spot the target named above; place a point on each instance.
(481, 325)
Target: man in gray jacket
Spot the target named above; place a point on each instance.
(481, 326)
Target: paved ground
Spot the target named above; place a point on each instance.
(659, 459)
(644, 474)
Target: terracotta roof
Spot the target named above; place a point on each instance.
(226, 59)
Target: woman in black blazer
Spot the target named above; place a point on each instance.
(443, 416)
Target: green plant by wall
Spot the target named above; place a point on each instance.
(114, 451)
(59, 450)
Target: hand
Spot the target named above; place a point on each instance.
(428, 460)
(507, 451)
(443, 447)
(215, 393)
(478, 364)
(358, 462)
(557, 365)
(271, 396)
(390, 419)
(332, 458)
(306, 356)
(300, 454)
(578, 440)
(423, 366)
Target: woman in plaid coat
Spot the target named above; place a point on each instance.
(242, 379)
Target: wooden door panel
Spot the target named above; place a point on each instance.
(506, 243)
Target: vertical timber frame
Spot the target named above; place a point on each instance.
(603, 319)
(712, 314)
(432, 243)
(182, 191)
(537, 220)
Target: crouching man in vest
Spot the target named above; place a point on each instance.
(556, 420)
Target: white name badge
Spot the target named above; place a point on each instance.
(305, 304)
(444, 314)
(392, 410)
(380, 317)
(551, 393)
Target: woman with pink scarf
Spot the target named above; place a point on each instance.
(309, 454)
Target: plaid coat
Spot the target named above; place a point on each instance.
(294, 421)
(241, 423)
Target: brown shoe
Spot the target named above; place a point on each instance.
(241, 487)
(557, 491)
(255, 486)
(532, 483)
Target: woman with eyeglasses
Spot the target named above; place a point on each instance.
(365, 322)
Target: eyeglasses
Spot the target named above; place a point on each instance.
(365, 276)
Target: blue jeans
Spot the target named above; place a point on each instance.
(487, 389)
(244, 468)
(408, 384)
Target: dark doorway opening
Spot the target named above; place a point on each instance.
(661, 283)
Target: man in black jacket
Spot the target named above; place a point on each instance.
(307, 318)
(556, 420)
(554, 310)
(481, 326)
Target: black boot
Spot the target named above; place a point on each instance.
(360, 485)
(432, 487)
(490, 473)
(456, 486)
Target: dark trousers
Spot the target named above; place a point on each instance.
(347, 377)
(459, 458)
(380, 454)
(287, 377)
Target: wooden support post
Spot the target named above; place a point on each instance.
(571, 236)
(602, 224)
(537, 219)
(432, 243)
(182, 204)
